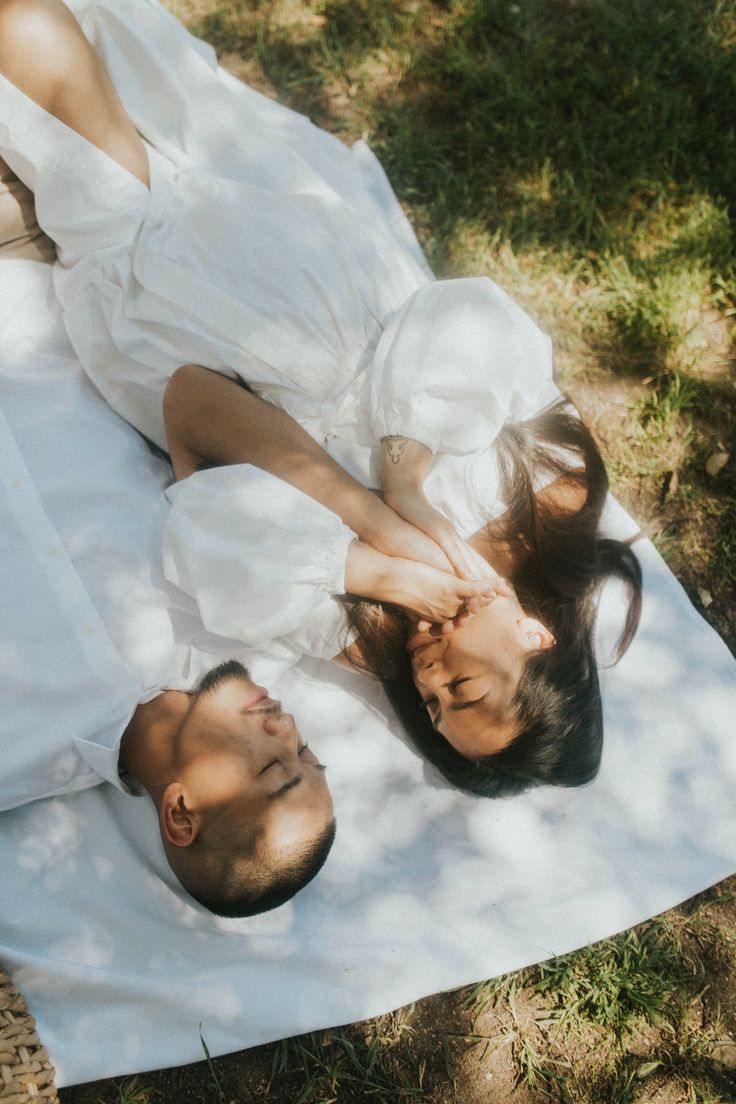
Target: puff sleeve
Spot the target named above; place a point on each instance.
(261, 560)
(454, 363)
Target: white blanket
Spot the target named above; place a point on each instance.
(425, 888)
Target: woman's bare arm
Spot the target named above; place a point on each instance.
(404, 465)
(210, 417)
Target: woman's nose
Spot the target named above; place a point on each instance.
(426, 672)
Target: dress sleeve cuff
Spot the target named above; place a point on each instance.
(257, 556)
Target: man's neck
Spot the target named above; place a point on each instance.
(147, 746)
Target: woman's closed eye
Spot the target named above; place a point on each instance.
(427, 703)
(431, 704)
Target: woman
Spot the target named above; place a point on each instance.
(498, 698)
(296, 274)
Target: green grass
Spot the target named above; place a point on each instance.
(316, 1068)
(616, 1018)
(582, 153)
(132, 1091)
(616, 982)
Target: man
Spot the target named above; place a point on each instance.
(105, 665)
(244, 811)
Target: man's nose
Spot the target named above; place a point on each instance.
(282, 727)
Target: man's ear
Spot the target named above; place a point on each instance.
(179, 824)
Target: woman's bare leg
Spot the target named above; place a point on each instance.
(44, 52)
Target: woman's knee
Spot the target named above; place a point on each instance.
(41, 46)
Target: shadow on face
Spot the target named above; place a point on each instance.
(468, 678)
(250, 812)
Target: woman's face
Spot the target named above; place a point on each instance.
(467, 678)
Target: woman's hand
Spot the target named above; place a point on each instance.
(412, 505)
(423, 591)
(394, 536)
(433, 595)
(404, 465)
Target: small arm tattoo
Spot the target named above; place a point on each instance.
(396, 447)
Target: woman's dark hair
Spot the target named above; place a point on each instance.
(562, 562)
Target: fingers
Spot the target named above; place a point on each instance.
(470, 604)
(468, 599)
(458, 561)
(442, 532)
(469, 564)
(489, 587)
(464, 566)
(503, 587)
(459, 619)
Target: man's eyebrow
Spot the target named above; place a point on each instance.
(285, 788)
(457, 706)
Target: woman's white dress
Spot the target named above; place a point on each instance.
(266, 249)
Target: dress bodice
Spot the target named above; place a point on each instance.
(266, 249)
(273, 257)
(81, 193)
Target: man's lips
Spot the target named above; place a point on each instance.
(260, 698)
